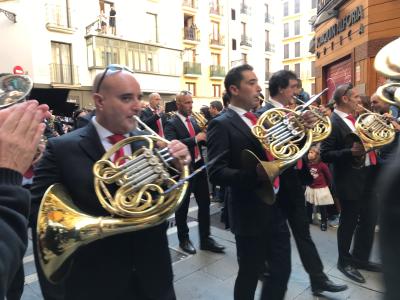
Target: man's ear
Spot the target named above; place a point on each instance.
(98, 100)
(234, 89)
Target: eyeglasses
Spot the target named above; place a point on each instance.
(112, 68)
(348, 88)
(184, 93)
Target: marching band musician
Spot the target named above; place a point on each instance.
(282, 86)
(183, 128)
(153, 115)
(358, 202)
(135, 265)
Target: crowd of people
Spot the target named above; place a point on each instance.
(34, 154)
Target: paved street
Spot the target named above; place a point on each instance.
(209, 276)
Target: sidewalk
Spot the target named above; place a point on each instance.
(209, 276)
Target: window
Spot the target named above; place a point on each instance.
(285, 9)
(297, 27)
(286, 30)
(297, 69)
(216, 90)
(286, 51)
(215, 59)
(313, 69)
(286, 67)
(152, 30)
(58, 13)
(296, 6)
(233, 14)
(233, 44)
(243, 28)
(313, 3)
(266, 10)
(61, 66)
(267, 73)
(191, 87)
(215, 31)
(266, 94)
(244, 58)
(266, 37)
(297, 49)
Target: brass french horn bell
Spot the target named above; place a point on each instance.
(14, 89)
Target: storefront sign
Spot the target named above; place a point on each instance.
(353, 17)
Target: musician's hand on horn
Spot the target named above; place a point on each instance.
(357, 149)
(21, 129)
(309, 118)
(179, 151)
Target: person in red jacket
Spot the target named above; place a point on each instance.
(318, 192)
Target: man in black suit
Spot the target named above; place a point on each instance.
(183, 128)
(21, 128)
(354, 186)
(282, 86)
(153, 115)
(260, 230)
(135, 265)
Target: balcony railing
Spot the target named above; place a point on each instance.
(269, 47)
(217, 71)
(269, 19)
(191, 68)
(267, 75)
(190, 3)
(245, 9)
(58, 15)
(64, 74)
(216, 10)
(245, 40)
(218, 40)
(191, 33)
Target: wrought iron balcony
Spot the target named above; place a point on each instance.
(218, 40)
(245, 40)
(245, 9)
(191, 33)
(217, 71)
(269, 47)
(190, 3)
(191, 68)
(269, 19)
(64, 74)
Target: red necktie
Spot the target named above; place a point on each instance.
(160, 129)
(120, 152)
(193, 134)
(29, 173)
(371, 154)
(253, 119)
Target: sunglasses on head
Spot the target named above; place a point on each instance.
(348, 88)
(112, 68)
(184, 93)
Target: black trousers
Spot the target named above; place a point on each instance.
(272, 246)
(199, 186)
(358, 219)
(296, 212)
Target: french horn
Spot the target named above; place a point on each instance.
(138, 194)
(282, 133)
(200, 120)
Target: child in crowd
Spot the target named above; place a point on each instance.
(318, 192)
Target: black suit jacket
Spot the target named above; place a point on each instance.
(69, 160)
(175, 129)
(248, 214)
(150, 119)
(348, 181)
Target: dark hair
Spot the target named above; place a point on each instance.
(235, 76)
(216, 104)
(341, 91)
(226, 99)
(279, 80)
(204, 110)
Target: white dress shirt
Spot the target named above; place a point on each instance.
(275, 103)
(104, 134)
(240, 111)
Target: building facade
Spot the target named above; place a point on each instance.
(348, 36)
(297, 33)
(171, 45)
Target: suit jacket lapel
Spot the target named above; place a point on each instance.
(239, 124)
(342, 125)
(90, 142)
